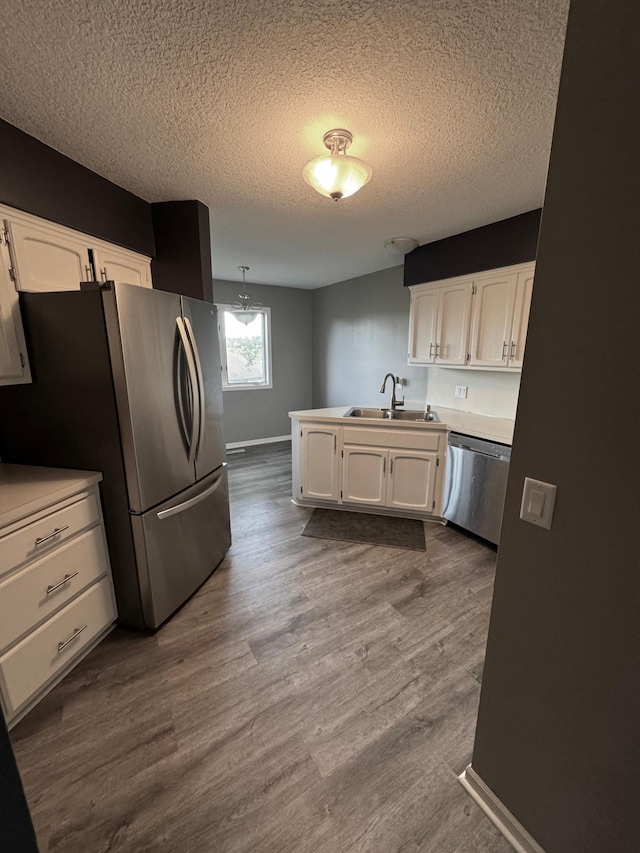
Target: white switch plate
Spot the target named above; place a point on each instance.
(461, 391)
(538, 500)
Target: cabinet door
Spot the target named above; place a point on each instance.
(14, 366)
(364, 476)
(319, 472)
(412, 479)
(454, 312)
(524, 289)
(423, 318)
(493, 303)
(114, 264)
(48, 258)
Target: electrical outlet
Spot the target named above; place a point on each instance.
(461, 391)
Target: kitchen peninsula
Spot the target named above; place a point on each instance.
(380, 465)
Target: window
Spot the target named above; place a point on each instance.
(245, 347)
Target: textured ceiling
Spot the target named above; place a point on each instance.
(450, 101)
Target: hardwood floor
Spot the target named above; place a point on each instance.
(314, 695)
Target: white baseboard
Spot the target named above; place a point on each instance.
(272, 440)
(499, 814)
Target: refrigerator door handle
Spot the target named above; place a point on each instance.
(200, 380)
(174, 510)
(195, 395)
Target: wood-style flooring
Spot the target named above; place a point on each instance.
(313, 695)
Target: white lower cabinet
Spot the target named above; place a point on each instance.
(26, 667)
(56, 591)
(390, 470)
(402, 479)
(412, 480)
(320, 475)
(364, 476)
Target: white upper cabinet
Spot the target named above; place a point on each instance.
(500, 316)
(37, 255)
(439, 323)
(423, 326)
(454, 314)
(478, 321)
(524, 290)
(115, 264)
(47, 257)
(14, 365)
(494, 299)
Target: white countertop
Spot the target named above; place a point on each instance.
(481, 426)
(25, 489)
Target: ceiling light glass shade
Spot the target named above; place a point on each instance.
(245, 303)
(401, 245)
(337, 175)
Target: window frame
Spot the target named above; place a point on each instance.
(222, 342)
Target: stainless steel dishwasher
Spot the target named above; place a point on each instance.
(475, 484)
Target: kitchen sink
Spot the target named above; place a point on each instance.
(393, 415)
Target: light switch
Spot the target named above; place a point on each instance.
(538, 500)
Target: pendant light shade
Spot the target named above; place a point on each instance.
(244, 303)
(337, 175)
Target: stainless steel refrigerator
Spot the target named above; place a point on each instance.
(127, 381)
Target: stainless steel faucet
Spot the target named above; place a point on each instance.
(394, 403)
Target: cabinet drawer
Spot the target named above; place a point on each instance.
(41, 655)
(27, 597)
(401, 438)
(42, 536)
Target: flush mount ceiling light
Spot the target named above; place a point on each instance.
(401, 245)
(337, 175)
(244, 302)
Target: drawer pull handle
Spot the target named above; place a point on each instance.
(42, 539)
(64, 580)
(76, 633)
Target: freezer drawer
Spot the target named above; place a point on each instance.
(179, 543)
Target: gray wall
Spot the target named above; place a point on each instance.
(263, 413)
(558, 734)
(360, 332)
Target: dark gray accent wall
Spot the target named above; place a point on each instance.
(558, 734)
(361, 332)
(183, 260)
(500, 244)
(39, 180)
(263, 413)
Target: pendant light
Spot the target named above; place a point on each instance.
(244, 302)
(337, 175)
